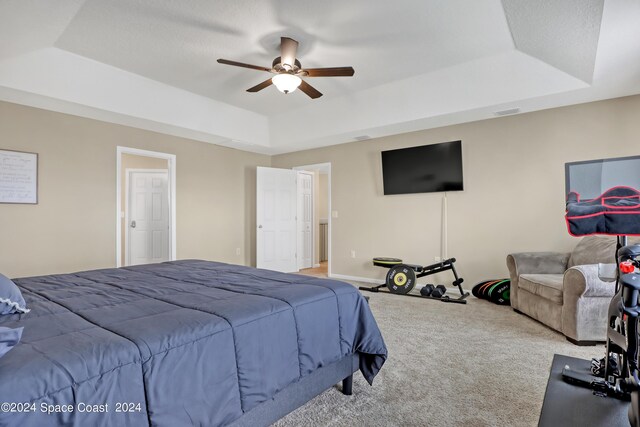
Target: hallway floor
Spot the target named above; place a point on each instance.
(321, 271)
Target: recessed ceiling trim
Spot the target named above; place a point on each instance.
(498, 80)
(70, 78)
(457, 66)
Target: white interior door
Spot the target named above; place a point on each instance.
(148, 218)
(276, 191)
(305, 220)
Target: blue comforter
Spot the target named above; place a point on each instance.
(175, 344)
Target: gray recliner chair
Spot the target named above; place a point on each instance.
(563, 290)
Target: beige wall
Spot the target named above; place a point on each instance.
(514, 189)
(131, 161)
(73, 227)
(513, 198)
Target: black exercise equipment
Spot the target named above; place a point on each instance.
(614, 212)
(401, 279)
(426, 290)
(386, 262)
(566, 405)
(439, 291)
(619, 377)
(496, 291)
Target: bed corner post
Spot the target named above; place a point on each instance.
(347, 386)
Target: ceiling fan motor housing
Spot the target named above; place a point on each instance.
(279, 67)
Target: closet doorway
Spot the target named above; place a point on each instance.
(145, 207)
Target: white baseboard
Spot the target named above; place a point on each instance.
(356, 278)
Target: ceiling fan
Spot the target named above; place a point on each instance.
(289, 72)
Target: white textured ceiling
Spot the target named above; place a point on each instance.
(178, 42)
(419, 63)
(546, 35)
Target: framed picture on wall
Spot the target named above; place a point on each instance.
(18, 177)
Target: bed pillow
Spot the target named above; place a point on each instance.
(9, 338)
(11, 300)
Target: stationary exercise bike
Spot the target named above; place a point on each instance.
(621, 357)
(616, 375)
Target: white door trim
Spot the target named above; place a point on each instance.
(171, 158)
(323, 167)
(127, 177)
(299, 220)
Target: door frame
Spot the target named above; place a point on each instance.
(127, 189)
(299, 212)
(325, 167)
(171, 171)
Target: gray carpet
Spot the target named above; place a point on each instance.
(477, 364)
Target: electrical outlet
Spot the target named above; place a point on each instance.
(334, 214)
(353, 253)
(436, 258)
(238, 252)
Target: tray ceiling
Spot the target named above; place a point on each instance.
(419, 63)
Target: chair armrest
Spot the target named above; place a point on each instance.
(583, 280)
(585, 303)
(537, 263)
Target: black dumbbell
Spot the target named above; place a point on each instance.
(427, 290)
(439, 291)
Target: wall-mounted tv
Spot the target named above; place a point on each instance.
(591, 178)
(424, 169)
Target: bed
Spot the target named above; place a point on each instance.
(182, 343)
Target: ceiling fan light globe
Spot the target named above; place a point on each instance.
(286, 83)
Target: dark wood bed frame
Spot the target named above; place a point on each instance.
(302, 391)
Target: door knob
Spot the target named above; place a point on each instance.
(133, 224)
(260, 226)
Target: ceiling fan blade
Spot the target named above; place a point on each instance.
(260, 86)
(329, 72)
(242, 64)
(288, 50)
(309, 90)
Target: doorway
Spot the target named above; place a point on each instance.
(292, 219)
(321, 218)
(146, 231)
(305, 220)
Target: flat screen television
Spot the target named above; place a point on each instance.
(591, 178)
(424, 169)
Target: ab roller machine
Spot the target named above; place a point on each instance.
(401, 279)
